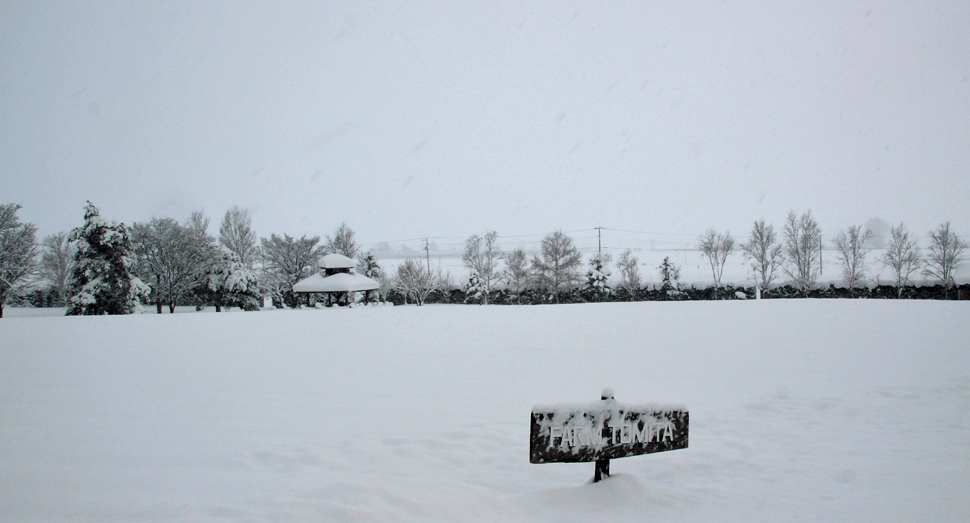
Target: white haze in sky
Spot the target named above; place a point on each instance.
(450, 119)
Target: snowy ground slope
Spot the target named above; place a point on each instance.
(801, 410)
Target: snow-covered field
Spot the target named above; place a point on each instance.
(801, 410)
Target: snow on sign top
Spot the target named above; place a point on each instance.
(336, 261)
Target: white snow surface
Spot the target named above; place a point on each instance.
(800, 410)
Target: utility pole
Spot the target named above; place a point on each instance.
(599, 240)
(819, 254)
(427, 254)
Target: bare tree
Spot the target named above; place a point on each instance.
(236, 233)
(716, 247)
(629, 271)
(852, 250)
(203, 246)
(342, 242)
(516, 274)
(18, 251)
(367, 266)
(174, 257)
(560, 262)
(482, 255)
(803, 245)
(57, 264)
(946, 251)
(198, 226)
(902, 256)
(286, 260)
(764, 252)
(416, 282)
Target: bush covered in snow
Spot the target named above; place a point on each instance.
(229, 283)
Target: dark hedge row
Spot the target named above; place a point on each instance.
(44, 298)
(537, 297)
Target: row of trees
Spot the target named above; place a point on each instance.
(797, 253)
(110, 268)
(557, 266)
(237, 268)
(106, 268)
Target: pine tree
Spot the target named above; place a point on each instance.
(474, 290)
(103, 281)
(598, 275)
(669, 274)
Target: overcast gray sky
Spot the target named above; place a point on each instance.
(408, 119)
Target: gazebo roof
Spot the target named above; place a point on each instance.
(336, 261)
(340, 282)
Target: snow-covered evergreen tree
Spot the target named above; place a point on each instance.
(598, 275)
(669, 274)
(475, 289)
(230, 283)
(103, 281)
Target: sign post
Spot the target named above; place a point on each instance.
(604, 430)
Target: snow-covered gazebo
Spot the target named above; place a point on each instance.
(336, 276)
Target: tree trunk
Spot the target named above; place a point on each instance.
(158, 295)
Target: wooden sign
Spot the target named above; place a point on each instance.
(605, 430)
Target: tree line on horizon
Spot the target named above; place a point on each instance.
(109, 268)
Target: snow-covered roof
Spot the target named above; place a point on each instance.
(336, 261)
(341, 282)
